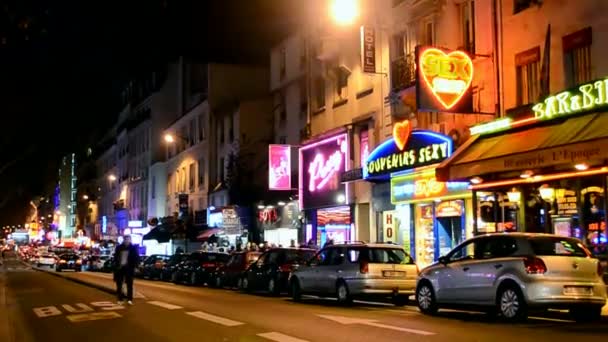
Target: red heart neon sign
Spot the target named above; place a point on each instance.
(447, 75)
(401, 133)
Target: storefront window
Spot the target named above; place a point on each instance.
(425, 237)
(497, 211)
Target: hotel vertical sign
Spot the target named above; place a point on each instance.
(368, 49)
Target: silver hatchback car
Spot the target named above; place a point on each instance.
(356, 270)
(513, 273)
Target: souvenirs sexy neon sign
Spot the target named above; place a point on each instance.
(406, 150)
(444, 79)
(586, 97)
(321, 164)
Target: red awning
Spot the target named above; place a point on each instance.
(205, 235)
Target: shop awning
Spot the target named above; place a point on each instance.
(206, 234)
(160, 233)
(576, 140)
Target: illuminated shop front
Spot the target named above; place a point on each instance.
(542, 173)
(280, 223)
(323, 198)
(427, 217)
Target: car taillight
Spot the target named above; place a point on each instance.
(535, 265)
(62, 261)
(208, 264)
(78, 262)
(364, 268)
(286, 268)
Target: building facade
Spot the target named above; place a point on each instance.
(65, 214)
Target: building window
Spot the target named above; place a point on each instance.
(520, 5)
(282, 139)
(221, 169)
(341, 82)
(303, 99)
(191, 175)
(319, 92)
(184, 175)
(429, 33)
(201, 127)
(177, 175)
(73, 223)
(467, 22)
(282, 62)
(153, 187)
(527, 73)
(282, 106)
(169, 183)
(577, 57)
(201, 174)
(231, 127)
(192, 132)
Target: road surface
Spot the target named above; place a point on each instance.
(44, 307)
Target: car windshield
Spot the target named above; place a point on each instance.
(558, 246)
(386, 256)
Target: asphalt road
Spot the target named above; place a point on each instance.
(44, 307)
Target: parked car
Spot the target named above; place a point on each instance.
(47, 259)
(168, 268)
(153, 266)
(231, 273)
(108, 265)
(511, 274)
(198, 267)
(271, 271)
(357, 270)
(140, 266)
(69, 261)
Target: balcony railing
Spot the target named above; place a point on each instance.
(403, 72)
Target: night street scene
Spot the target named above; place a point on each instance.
(303, 170)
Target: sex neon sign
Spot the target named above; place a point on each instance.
(445, 77)
(321, 164)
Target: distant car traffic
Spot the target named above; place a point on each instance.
(153, 265)
(511, 274)
(69, 261)
(271, 271)
(356, 270)
(198, 267)
(231, 274)
(47, 259)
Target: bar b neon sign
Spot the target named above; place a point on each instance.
(586, 97)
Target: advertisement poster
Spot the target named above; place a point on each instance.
(279, 167)
(390, 226)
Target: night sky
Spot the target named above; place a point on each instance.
(63, 65)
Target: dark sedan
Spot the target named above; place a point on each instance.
(271, 271)
(69, 261)
(153, 266)
(231, 274)
(167, 272)
(198, 267)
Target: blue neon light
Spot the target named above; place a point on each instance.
(417, 140)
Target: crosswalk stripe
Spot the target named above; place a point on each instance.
(278, 337)
(165, 305)
(215, 319)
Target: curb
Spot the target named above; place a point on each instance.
(106, 289)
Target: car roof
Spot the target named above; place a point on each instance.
(520, 234)
(367, 244)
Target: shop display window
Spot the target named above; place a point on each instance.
(497, 211)
(425, 236)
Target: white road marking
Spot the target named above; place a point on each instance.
(80, 308)
(278, 337)
(47, 311)
(374, 323)
(165, 305)
(551, 319)
(92, 316)
(215, 319)
(108, 306)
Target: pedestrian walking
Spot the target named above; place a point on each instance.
(125, 260)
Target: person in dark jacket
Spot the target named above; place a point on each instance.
(125, 260)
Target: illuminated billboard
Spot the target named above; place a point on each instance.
(279, 167)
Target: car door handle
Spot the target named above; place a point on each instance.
(497, 266)
(465, 269)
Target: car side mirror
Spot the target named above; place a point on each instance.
(443, 260)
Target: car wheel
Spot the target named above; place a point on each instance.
(425, 297)
(400, 300)
(296, 291)
(511, 304)
(193, 279)
(273, 287)
(342, 293)
(245, 284)
(586, 314)
(218, 282)
(239, 283)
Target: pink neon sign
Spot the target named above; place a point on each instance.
(279, 167)
(321, 164)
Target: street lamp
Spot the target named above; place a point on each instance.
(111, 178)
(85, 197)
(344, 12)
(169, 138)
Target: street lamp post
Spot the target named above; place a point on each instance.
(170, 139)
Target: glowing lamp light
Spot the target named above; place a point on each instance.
(514, 195)
(581, 167)
(281, 203)
(261, 207)
(85, 197)
(341, 198)
(111, 178)
(526, 174)
(547, 193)
(476, 180)
(344, 12)
(169, 138)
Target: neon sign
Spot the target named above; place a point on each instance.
(321, 164)
(444, 79)
(406, 150)
(279, 167)
(586, 97)
(424, 187)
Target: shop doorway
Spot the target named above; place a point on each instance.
(450, 225)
